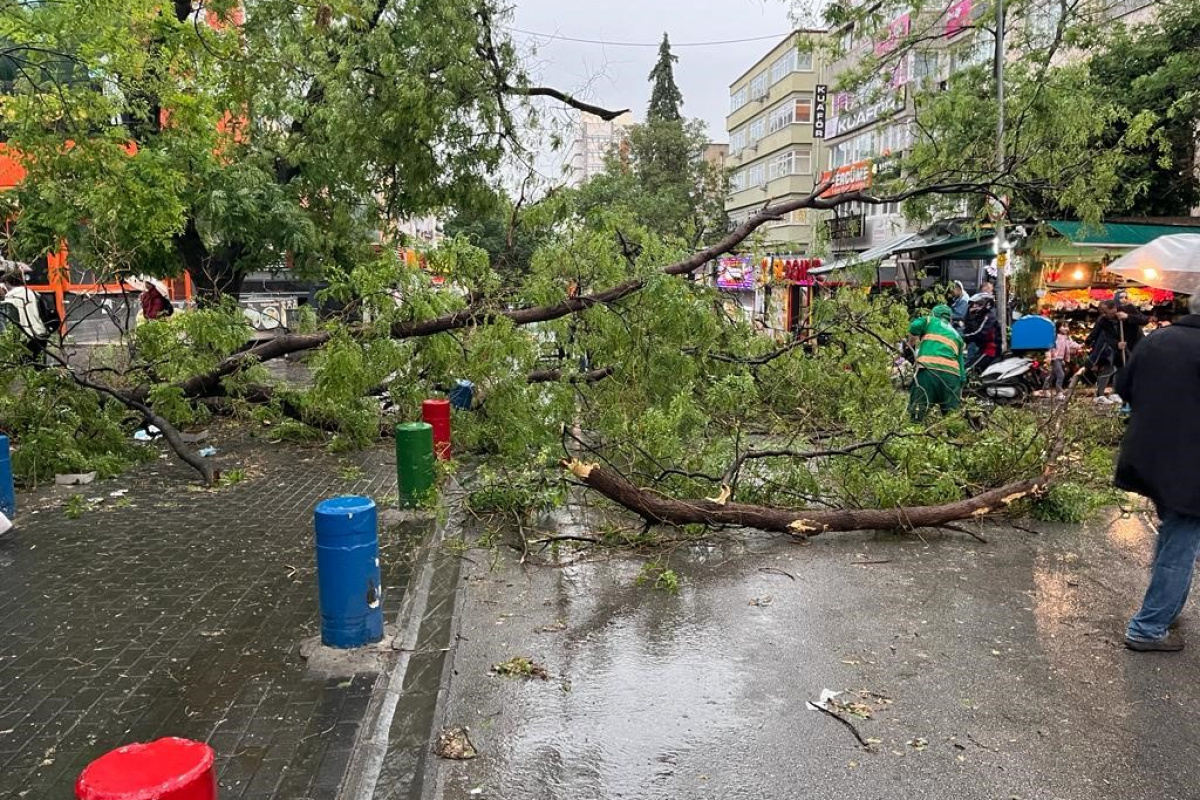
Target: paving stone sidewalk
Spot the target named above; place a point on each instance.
(171, 611)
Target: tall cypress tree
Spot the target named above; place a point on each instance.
(665, 98)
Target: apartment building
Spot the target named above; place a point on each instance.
(870, 128)
(774, 126)
(592, 140)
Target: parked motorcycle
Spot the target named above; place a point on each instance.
(1011, 381)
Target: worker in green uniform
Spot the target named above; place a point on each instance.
(940, 370)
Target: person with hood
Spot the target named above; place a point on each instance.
(940, 372)
(24, 311)
(1112, 341)
(1158, 461)
(960, 304)
(981, 332)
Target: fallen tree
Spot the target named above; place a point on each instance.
(659, 509)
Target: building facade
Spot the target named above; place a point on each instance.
(774, 127)
(593, 139)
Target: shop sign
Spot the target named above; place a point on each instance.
(897, 29)
(847, 178)
(887, 167)
(735, 273)
(855, 116)
(820, 107)
(958, 16)
(847, 229)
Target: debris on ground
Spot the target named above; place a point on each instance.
(205, 452)
(455, 744)
(554, 627)
(74, 478)
(762, 602)
(521, 667)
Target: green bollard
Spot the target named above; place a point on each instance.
(414, 461)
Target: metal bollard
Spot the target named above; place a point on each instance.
(348, 578)
(414, 461)
(437, 414)
(167, 769)
(8, 492)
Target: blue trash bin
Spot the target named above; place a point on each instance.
(348, 576)
(8, 492)
(462, 394)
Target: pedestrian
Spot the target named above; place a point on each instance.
(154, 298)
(1158, 460)
(981, 332)
(940, 371)
(960, 304)
(1112, 342)
(1059, 356)
(24, 312)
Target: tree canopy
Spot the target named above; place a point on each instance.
(666, 101)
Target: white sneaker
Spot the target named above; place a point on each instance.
(1060, 396)
(1101, 400)
(1115, 399)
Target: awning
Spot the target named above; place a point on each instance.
(874, 254)
(1115, 234)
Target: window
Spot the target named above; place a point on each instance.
(737, 99)
(791, 61)
(1043, 23)
(737, 181)
(737, 140)
(758, 86)
(804, 108)
(755, 176)
(848, 39)
(797, 109)
(839, 154)
(925, 68)
(784, 65)
(792, 162)
(758, 129)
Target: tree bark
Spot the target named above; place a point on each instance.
(657, 508)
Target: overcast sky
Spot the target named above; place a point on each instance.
(616, 77)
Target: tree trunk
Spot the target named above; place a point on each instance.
(657, 508)
(214, 274)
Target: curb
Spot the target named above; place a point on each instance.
(372, 742)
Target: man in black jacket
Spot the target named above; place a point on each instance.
(1159, 459)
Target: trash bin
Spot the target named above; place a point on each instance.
(166, 769)
(8, 492)
(462, 394)
(348, 577)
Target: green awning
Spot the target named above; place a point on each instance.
(1116, 234)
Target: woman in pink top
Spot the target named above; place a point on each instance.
(1059, 355)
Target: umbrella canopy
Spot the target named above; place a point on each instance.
(1168, 262)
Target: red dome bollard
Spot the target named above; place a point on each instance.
(168, 769)
(437, 414)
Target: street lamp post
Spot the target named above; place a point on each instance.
(1001, 235)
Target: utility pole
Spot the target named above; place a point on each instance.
(1001, 236)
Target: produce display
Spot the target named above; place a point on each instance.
(1084, 299)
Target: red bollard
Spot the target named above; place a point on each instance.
(437, 414)
(168, 769)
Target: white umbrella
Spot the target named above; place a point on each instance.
(1168, 262)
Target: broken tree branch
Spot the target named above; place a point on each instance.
(656, 508)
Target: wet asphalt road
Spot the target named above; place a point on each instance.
(989, 671)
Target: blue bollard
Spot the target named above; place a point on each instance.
(8, 492)
(348, 579)
(462, 394)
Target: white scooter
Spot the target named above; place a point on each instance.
(1011, 381)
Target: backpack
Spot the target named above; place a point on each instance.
(48, 311)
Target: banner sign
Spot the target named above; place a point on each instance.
(735, 273)
(820, 108)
